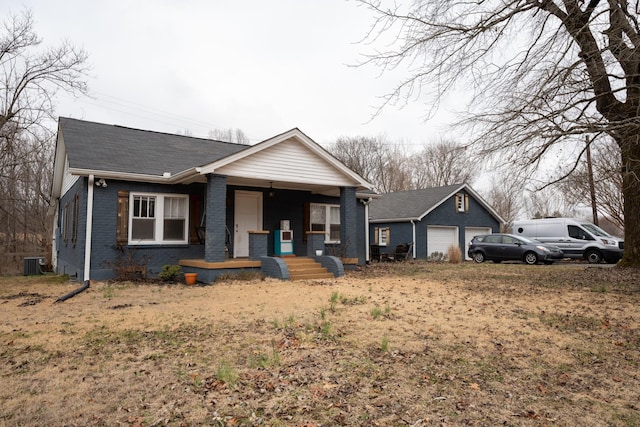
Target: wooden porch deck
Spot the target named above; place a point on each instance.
(221, 265)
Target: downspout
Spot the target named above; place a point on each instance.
(413, 227)
(54, 239)
(367, 254)
(87, 244)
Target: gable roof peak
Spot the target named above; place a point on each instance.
(416, 204)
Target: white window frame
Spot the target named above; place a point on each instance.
(383, 236)
(159, 219)
(462, 203)
(327, 219)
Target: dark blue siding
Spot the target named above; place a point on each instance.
(215, 219)
(477, 216)
(103, 244)
(400, 233)
(361, 233)
(290, 204)
(71, 255)
(284, 204)
(348, 221)
(446, 215)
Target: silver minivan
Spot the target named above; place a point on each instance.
(577, 239)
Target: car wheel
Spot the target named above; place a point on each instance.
(478, 257)
(531, 258)
(593, 256)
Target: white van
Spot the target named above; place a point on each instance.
(577, 239)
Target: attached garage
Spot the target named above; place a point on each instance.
(469, 232)
(439, 238)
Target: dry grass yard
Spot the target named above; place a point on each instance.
(410, 344)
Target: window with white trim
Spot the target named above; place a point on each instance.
(462, 203)
(326, 218)
(156, 218)
(383, 236)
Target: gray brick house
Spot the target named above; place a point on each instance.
(431, 218)
(210, 206)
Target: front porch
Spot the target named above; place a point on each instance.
(315, 265)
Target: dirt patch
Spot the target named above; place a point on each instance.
(394, 344)
(29, 298)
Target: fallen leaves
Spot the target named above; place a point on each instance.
(471, 351)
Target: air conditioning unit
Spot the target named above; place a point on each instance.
(33, 265)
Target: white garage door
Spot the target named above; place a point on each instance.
(469, 232)
(440, 238)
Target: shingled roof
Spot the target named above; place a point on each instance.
(415, 204)
(103, 147)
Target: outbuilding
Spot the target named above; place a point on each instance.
(432, 219)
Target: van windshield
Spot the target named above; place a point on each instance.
(595, 230)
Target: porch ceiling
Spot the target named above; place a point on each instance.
(280, 185)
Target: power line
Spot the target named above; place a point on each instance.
(154, 114)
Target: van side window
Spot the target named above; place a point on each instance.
(578, 233)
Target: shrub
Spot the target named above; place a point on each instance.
(436, 256)
(127, 265)
(454, 254)
(170, 273)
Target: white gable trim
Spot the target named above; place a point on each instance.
(475, 195)
(60, 166)
(237, 163)
(288, 162)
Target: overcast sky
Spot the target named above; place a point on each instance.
(262, 66)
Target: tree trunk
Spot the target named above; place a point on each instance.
(630, 148)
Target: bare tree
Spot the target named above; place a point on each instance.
(393, 171)
(548, 202)
(541, 74)
(359, 153)
(607, 180)
(376, 159)
(30, 77)
(236, 136)
(506, 195)
(444, 162)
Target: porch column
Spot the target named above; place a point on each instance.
(216, 218)
(258, 244)
(315, 242)
(348, 222)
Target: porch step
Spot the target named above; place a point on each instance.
(306, 268)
